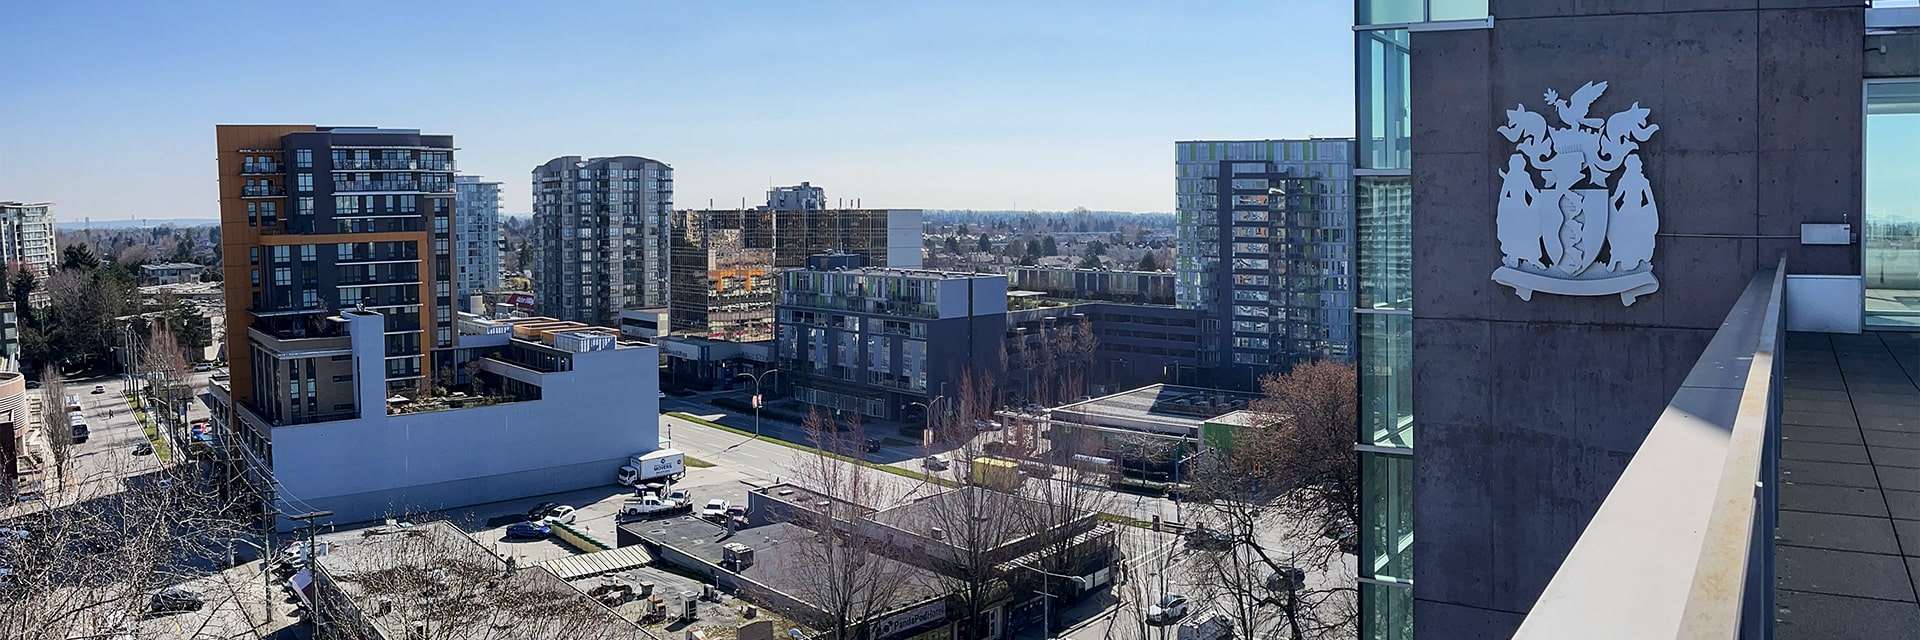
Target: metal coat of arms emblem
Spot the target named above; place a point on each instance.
(1577, 214)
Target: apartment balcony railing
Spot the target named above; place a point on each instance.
(375, 256)
(1682, 547)
(347, 186)
(257, 168)
(378, 225)
(262, 191)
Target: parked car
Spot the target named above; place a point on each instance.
(1170, 609)
(984, 424)
(539, 511)
(1209, 539)
(529, 530)
(1288, 578)
(202, 367)
(680, 496)
(935, 462)
(99, 389)
(715, 508)
(562, 514)
(872, 445)
(143, 449)
(175, 599)
(736, 511)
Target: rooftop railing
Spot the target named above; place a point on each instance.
(1682, 547)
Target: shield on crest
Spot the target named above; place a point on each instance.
(1583, 228)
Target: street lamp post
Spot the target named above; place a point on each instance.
(927, 436)
(756, 395)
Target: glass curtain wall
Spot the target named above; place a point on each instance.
(1383, 313)
(1891, 238)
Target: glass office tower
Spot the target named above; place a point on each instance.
(1383, 300)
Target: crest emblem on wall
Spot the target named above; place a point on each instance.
(1576, 212)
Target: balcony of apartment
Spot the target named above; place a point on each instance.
(261, 167)
(385, 185)
(403, 252)
(263, 191)
(379, 224)
(1777, 496)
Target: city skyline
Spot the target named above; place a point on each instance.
(981, 107)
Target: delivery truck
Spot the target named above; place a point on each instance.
(669, 464)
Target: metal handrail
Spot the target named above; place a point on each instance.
(1682, 547)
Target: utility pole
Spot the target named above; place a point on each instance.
(313, 561)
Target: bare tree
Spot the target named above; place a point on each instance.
(170, 379)
(55, 423)
(1282, 507)
(974, 523)
(1060, 505)
(1140, 582)
(93, 553)
(433, 582)
(839, 573)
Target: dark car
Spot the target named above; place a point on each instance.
(143, 449)
(540, 511)
(1209, 539)
(873, 446)
(174, 600)
(1288, 578)
(529, 530)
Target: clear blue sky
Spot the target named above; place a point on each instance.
(109, 109)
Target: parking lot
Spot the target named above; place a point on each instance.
(597, 512)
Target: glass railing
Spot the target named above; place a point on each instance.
(260, 167)
(262, 191)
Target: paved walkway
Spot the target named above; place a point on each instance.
(1848, 552)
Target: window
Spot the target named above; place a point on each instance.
(303, 158)
(253, 255)
(309, 298)
(281, 253)
(305, 182)
(303, 206)
(1382, 99)
(308, 253)
(282, 276)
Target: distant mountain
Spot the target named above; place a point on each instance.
(122, 223)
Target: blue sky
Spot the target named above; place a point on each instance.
(110, 108)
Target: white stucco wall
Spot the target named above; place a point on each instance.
(587, 422)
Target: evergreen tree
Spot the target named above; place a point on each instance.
(78, 256)
(1147, 262)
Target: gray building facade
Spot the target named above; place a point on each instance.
(1262, 246)
(476, 240)
(1144, 287)
(1134, 345)
(872, 341)
(799, 197)
(1527, 411)
(600, 236)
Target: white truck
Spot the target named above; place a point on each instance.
(653, 465)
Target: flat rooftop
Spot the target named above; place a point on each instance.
(1171, 405)
(1847, 550)
(437, 575)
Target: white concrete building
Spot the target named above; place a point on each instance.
(559, 406)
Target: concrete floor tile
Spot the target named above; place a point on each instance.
(1824, 452)
(1811, 616)
(1885, 438)
(1833, 473)
(1898, 478)
(1820, 418)
(1838, 532)
(1906, 424)
(1904, 504)
(1830, 435)
(1899, 457)
(1825, 499)
(1843, 573)
(1908, 533)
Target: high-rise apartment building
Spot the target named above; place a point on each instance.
(314, 220)
(799, 197)
(26, 235)
(600, 236)
(724, 260)
(476, 238)
(1263, 248)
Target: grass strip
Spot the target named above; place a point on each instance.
(697, 463)
(152, 430)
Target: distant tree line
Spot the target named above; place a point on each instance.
(90, 305)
